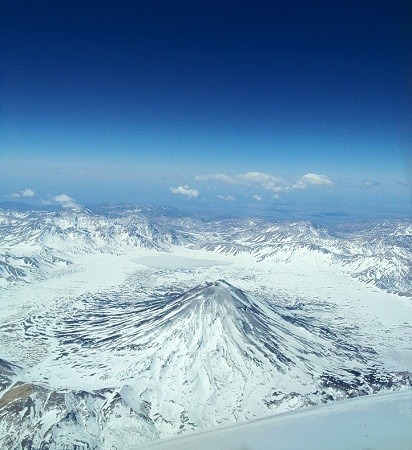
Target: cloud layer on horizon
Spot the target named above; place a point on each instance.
(216, 177)
(268, 182)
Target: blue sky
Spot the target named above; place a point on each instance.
(180, 103)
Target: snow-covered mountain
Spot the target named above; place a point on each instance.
(33, 416)
(379, 254)
(207, 357)
(32, 243)
(128, 324)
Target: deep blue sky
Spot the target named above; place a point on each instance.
(121, 101)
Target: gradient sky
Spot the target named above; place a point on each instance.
(149, 101)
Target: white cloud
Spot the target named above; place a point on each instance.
(186, 191)
(258, 177)
(24, 193)
(280, 188)
(216, 177)
(66, 202)
(370, 183)
(314, 179)
(28, 193)
(258, 198)
(267, 181)
(228, 198)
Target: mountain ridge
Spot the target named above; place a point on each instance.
(35, 242)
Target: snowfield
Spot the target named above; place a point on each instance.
(177, 262)
(131, 325)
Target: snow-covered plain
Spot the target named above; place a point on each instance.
(163, 261)
(118, 329)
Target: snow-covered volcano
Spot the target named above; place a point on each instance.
(184, 362)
